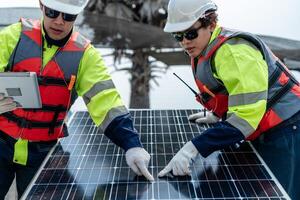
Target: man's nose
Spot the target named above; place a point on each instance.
(59, 19)
(185, 41)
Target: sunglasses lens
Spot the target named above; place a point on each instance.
(54, 14)
(189, 35)
(51, 13)
(178, 37)
(192, 34)
(69, 17)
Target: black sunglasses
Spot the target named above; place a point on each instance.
(54, 14)
(189, 34)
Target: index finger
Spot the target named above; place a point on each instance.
(166, 170)
(144, 171)
(196, 116)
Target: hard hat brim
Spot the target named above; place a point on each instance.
(178, 27)
(62, 7)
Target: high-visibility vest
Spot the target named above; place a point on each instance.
(56, 80)
(283, 88)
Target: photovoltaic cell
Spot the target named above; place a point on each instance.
(86, 165)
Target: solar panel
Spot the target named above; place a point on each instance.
(86, 165)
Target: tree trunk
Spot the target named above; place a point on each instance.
(140, 80)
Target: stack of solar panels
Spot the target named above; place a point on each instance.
(86, 165)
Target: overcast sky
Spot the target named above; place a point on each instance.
(268, 17)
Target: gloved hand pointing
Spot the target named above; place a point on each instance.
(138, 159)
(204, 117)
(180, 163)
(6, 104)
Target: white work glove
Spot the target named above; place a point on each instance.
(180, 163)
(6, 104)
(204, 117)
(138, 159)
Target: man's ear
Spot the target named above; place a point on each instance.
(212, 26)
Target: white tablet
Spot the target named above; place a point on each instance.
(22, 87)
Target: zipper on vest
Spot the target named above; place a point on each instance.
(53, 57)
(42, 55)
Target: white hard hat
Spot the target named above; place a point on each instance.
(73, 7)
(182, 14)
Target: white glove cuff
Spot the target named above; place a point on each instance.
(190, 148)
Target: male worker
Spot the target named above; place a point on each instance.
(66, 63)
(242, 82)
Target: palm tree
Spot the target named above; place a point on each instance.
(132, 28)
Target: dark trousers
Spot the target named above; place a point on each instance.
(37, 151)
(280, 149)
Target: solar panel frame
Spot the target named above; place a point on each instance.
(86, 165)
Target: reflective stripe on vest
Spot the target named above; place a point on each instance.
(283, 89)
(43, 124)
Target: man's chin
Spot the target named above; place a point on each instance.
(55, 37)
(193, 54)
